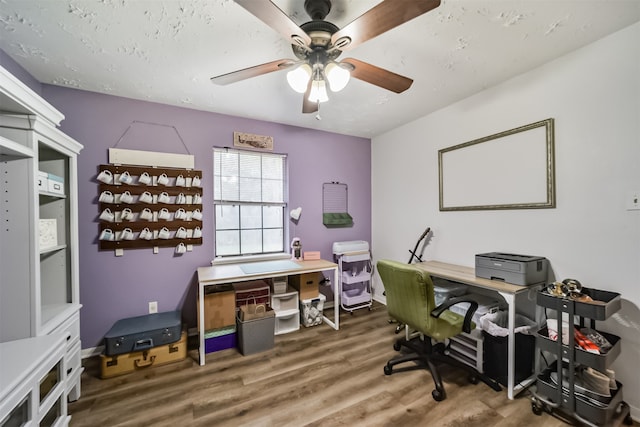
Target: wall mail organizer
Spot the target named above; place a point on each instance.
(145, 207)
(334, 205)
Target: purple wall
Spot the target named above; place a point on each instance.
(112, 287)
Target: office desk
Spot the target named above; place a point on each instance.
(230, 273)
(508, 291)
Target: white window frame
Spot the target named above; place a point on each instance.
(220, 201)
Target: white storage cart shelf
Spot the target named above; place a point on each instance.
(354, 267)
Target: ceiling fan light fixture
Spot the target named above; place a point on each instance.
(298, 78)
(337, 76)
(318, 91)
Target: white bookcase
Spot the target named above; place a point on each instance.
(32, 382)
(38, 285)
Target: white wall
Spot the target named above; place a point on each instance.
(594, 96)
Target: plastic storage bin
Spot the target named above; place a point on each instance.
(287, 323)
(284, 301)
(220, 339)
(311, 311)
(468, 349)
(485, 305)
(256, 335)
(445, 289)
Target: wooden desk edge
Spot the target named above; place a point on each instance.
(467, 276)
(207, 275)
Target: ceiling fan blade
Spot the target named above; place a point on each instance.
(378, 76)
(258, 70)
(381, 18)
(270, 14)
(308, 106)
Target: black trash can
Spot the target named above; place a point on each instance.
(496, 351)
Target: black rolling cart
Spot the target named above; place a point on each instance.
(556, 388)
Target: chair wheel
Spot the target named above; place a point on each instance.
(473, 379)
(397, 346)
(387, 370)
(438, 396)
(535, 408)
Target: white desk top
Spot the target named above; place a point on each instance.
(226, 273)
(467, 275)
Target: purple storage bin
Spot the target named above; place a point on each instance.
(220, 339)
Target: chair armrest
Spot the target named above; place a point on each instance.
(473, 306)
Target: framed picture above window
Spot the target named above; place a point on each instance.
(250, 190)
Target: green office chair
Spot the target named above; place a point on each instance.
(411, 301)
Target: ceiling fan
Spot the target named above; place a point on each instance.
(318, 43)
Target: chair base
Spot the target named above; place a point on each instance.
(426, 355)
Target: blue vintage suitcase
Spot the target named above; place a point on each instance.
(143, 332)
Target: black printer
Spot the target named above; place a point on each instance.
(517, 269)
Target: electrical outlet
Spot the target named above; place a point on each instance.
(633, 201)
(153, 307)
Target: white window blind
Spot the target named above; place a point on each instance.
(249, 202)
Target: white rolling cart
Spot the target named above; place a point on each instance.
(354, 274)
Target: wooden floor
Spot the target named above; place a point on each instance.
(313, 377)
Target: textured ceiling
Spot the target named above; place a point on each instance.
(166, 51)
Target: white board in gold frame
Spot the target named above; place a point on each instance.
(514, 169)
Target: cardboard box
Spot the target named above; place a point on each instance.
(306, 284)
(120, 364)
(48, 233)
(219, 310)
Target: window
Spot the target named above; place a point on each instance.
(249, 202)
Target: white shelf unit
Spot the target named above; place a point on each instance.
(39, 289)
(354, 268)
(287, 310)
(468, 349)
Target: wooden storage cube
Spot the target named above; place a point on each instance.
(219, 309)
(120, 364)
(306, 284)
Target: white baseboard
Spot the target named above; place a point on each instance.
(91, 352)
